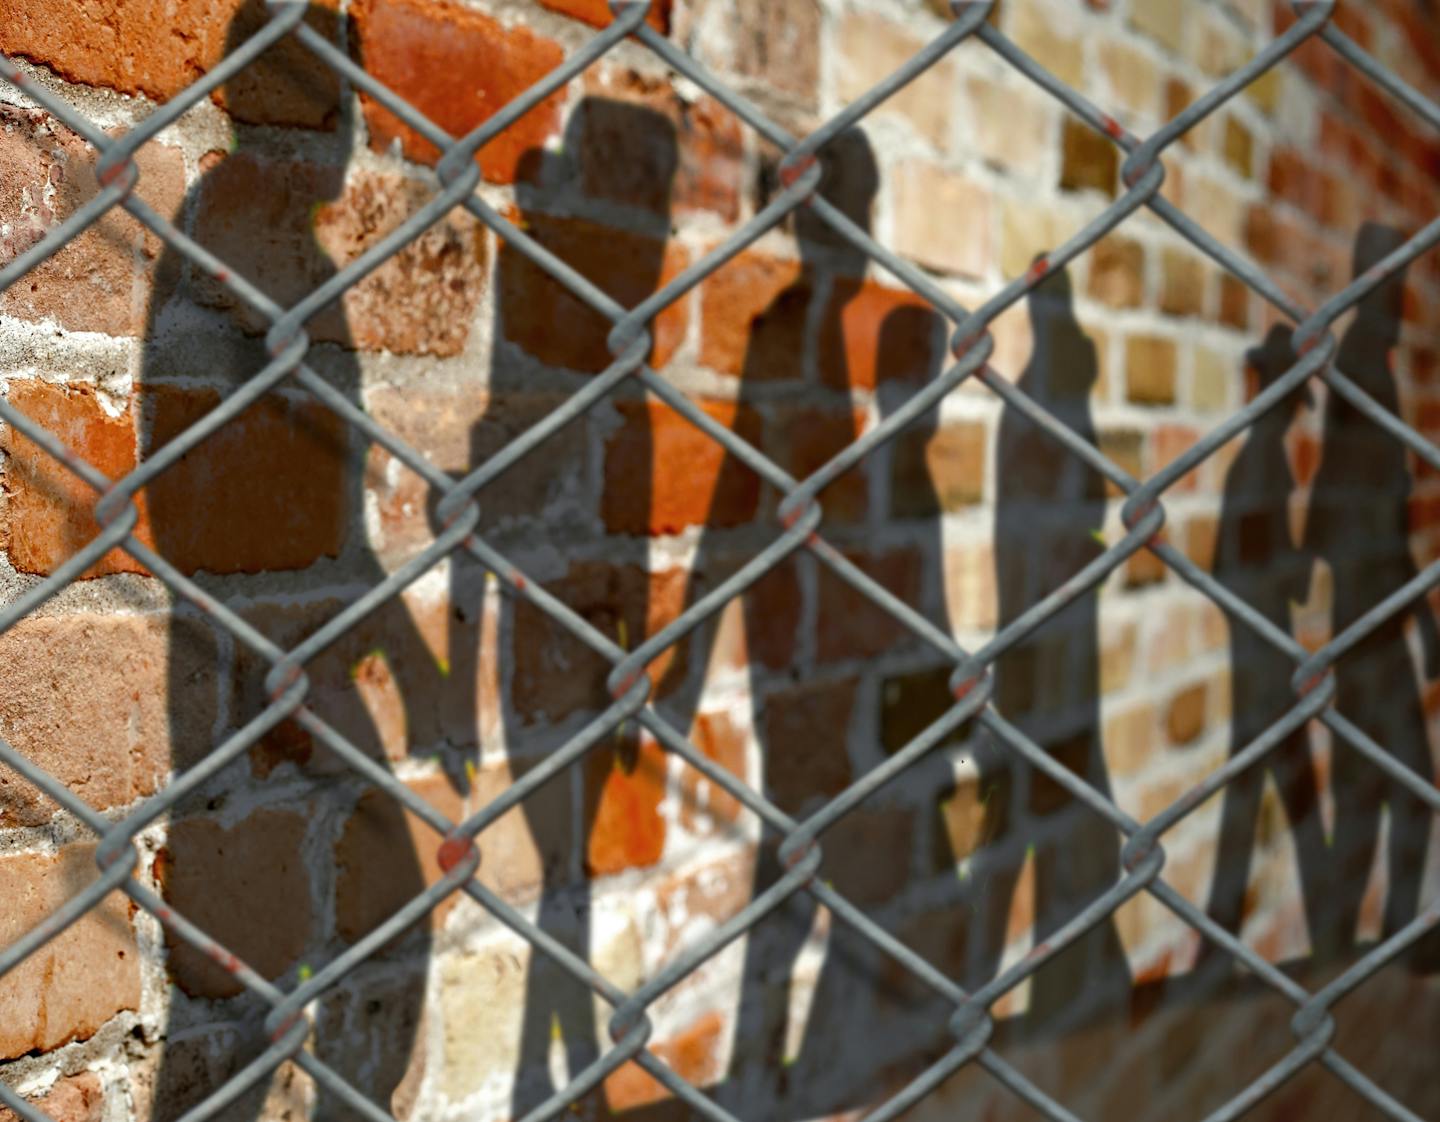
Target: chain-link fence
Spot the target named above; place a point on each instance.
(801, 515)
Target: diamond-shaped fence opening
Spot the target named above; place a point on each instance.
(920, 986)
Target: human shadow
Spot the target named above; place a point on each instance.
(1257, 559)
(614, 154)
(1049, 513)
(267, 516)
(1359, 525)
(798, 335)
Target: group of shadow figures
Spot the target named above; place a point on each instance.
(866, 1017)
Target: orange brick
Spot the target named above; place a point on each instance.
(623, 807)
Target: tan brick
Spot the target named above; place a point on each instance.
(1117, 656)
(1150, 363)
(1211, 380)
(1134, 78)
(970, 587)
(1014, 129)
(103, 279)
(1125, 448)
(1265, 90)
(1239, 149)
(1117, 272)
(872, 48)
(1089, 160)
(1039, 29)
(1185, 716)
(98, 700)
(482, 1002)
(1163, 20)
(942, 220)
(1214, 46)
(1028, 230)
(72, 985)
(1131, 739)
(1183, 276)
(951, 461)
(778, 42)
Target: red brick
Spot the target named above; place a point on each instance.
(246, 886)
(741, 303)
(709, 138)
(761, 627)
(693, 1054)
(1170, 443)
(663, 474)
(721, 741)
(101, 280)
(851, 625)
(459, 68)
(386, 856)
(623, 807)
(806, 728)
(51, 515)
(76, 982)
(158, 51)
(96, 700)
(548, 321)
(265, 492)
(74, 1098)
(554, 675)
(597, 12)
(850, 358)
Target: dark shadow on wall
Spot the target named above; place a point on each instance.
(1359, 526)
(278, 493)
(625, 155)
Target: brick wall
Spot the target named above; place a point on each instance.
(459, 344)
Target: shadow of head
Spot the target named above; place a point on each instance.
(1267, 363)
(1381, 309)
(1063, 364)
(850, 180)
(612, 152)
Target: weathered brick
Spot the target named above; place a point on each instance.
(1185, 717)
(51, 511)
(1239, 148)
(597, 13)
(458, 67)
(871, 48)
(1089, 161)
(546, 320)
(267, 491)
(693, 1054)
(663, 474)
(246, 886)
(622, 800)
(1210, 381)
(386, 856)
(1027, 230)
(948, 464)
(1124, 446)
(72, 985)
(1134, 78)
(1150, 363)
(141, 49)
(482, 1003)
(1130, 740)
(777, 42)
(942, 220)
(101, 701)
(72, 1098)
(1117, 656)
(103, 279)
(1235, 298)
(1117, 272)
(722, 741)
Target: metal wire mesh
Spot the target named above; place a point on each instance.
(971, 345)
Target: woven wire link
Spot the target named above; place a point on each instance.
(1143, 516)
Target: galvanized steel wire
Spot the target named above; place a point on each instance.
(1143, 516)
